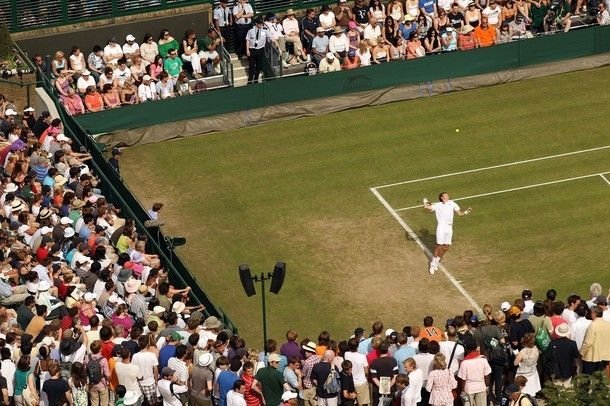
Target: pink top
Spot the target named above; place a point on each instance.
(440, 384)
(126, 322)
(473, 371)
(155, 70)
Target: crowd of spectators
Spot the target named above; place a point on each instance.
(87, 316)
(113, 76)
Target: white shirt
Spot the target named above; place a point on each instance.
(8, 369)
(235, 399)
(579, 328)
(606, 315)
(529, 306)
(128, 375)
(444, 212)
(275, 30)
(83, 84)
(326, 20)
(121, 75)
(413, 391)
(424, 364)
(221, 15)
(247, 8)
(338, 43)
(146, 93)
(447, 349)
(493, 15)
(569, 316)
(604, 18)
(168, 398)
(113, 53)
(182, 371)
(130, 49)
(257, 37)
(371, 32)
(146, 361)
(444, 4)
(359, 363)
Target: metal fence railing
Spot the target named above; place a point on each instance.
(26, 15)
(116, 191)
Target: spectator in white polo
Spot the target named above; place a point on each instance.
(84, 81)
(493, 12)
(131, 47)
(338, 43)
(169, 390)
(329, 64)
(112, 52)
(372, 31)
(147, 91)
(235, 397)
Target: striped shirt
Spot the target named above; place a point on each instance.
(307, 368)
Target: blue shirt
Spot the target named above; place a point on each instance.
(365, 346)
(407, 30)
(401, 354)
(226, 379)
(427, 5)
(166, 352)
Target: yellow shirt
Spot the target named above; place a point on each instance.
(595, 346)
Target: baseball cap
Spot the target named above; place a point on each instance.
(286, 396)
(330, 55)
(130, 38)
(167, 371)
(10, 112)
(603, 300)
(505, 306)
(176, 336)
(273, 357)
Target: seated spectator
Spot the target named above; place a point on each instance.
(338, 43)
(84, 81)
(364, 53)
(173, 65)
(183, 86)
(131, 47)
(518, 29)
(147, 91)
(276, 35)
(466, 39)
(449, 40)
(503, 34)
(329, 64)
(73, 103)
(319, 46)
(149, 49)
(538, 10)
(422, 27)
(343, 14)
(165, 86)
(138, 68)
(407, 26)
(166, 42)
(493, 12)
(155, 68)
(380, 51)
(107, 78)
(484, 35)
(441, 22)
(111, 97)
(414, 47)
(509, 11)
(292, 35)
(456, 18)
(112, 53)
(372, 30)
(64, 81)
(310, 26)
(432, 43)
(122, 72)
(95, 62)
(128, 93)
(77, 61)
(208, 52)
(327, 19)
(190, 52)
(352, 61)
(353, 36)
(58, 62)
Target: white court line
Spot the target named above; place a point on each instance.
(516, 188)
(605, 178)
(582, 151)
(426, 250)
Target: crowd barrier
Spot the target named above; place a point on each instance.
(563, 46)
(114, 189)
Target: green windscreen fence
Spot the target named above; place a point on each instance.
(552, 48)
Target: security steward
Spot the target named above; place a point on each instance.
(256, 39)
(242, 14)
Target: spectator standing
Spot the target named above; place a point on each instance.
(348, 391)
(168, 388)
(242, 14)
(256, 39)
(383, 371)
(415, 382)
(320, 375)
(360, 369)
(127, 373)
(57, 390)
(114, 159)
(526, 361)
(272, 381)
(235, 397)
(98, 391)
(595, 349)
(474, 374)
(441, 382)
(202, 379)
(564, 353)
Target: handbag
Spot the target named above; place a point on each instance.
(28, 397)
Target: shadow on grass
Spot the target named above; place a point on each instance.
(426, 237)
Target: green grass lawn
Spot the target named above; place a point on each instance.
(298, 191)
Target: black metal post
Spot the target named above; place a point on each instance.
(264, 313)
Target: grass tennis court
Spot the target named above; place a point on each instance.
(300, 191)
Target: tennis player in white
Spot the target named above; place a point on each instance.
(444, 211)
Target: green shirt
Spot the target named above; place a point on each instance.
(272, 383)
(164, 49)
(204, 43)
(173, 66)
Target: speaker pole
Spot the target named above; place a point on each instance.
(262, 280)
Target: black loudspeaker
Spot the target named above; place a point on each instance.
(246, 280)
(277, 279)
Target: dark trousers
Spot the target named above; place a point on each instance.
(240, 39)
(497, 382)
(226, 35)
(255, 66)
(591, 367)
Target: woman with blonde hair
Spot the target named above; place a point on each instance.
(59, 62)
(364, 53)
(526, 361)
(440, 382)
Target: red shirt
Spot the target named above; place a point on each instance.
(41, 253)
(555, 321)
(107, 347)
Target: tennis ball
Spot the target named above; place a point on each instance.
(457, 130)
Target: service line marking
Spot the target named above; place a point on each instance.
(426, 250)
(514, 189)
(486, 168)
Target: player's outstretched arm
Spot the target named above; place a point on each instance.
(465, 212)
(427, 205)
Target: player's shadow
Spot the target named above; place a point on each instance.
(425, 236)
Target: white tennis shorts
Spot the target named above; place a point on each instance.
(444, 234)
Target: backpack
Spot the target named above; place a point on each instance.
(496, 351)
(65, 369)
(331, 386)
(94, 370)
(532, 399)
(542, 339)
